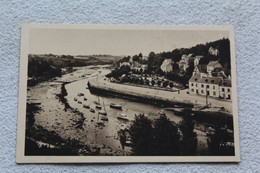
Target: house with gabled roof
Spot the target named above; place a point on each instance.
(213, 65)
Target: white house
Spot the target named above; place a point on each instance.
(225, 89)
(213, 51)
(125, 64)
(167, 65)
(205, 85)
(212, 65)
(184, 62)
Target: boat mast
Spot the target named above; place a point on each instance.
(104, 106)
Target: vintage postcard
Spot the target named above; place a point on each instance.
(126, 93)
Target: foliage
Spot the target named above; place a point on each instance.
(153, 82)
(42, 68)
(163, 139)
(141, 135)
(165, 83)
(218, 142)
(189, 137)
(171, 85)
(118, 72)
(166, 137)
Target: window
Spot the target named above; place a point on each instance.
(223, 89)
(191, 84)
(192, 90)
(207, 86)
(214, 93)
(196, 85)
(201, 91)
(213, 87)
(202, 85)
(228, 90)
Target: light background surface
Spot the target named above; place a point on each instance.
(244, 15)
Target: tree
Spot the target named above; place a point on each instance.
(141, 136)
(218, 143)
(125, 69)
(147, 82)
(159, 83)
(122, 139)
(166, 137)
(171, 84)
(153, 82)
(140, 55)
(189, 137)
(136, 58)
(165, 83)
(141, 81)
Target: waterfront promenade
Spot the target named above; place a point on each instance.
(150, 93)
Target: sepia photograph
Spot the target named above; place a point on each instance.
(120, 93)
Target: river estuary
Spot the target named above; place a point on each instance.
(54, 117)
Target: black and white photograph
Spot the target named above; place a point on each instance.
(120, 93)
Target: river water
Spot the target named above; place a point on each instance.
(53, 117)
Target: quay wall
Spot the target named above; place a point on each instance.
(134, 93)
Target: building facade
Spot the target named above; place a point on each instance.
(211, 86)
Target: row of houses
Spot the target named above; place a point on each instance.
(135, 65)
(184, 63)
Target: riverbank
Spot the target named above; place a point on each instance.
(57, 115)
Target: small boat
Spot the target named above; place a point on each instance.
(115, 106)
(160, 112)
(102, 112)
(75, 99)
(85, 99)
(97, 103)
(98, 106)
(79, 102)
(104, 118)
(80, 94)
(92, 110)
(128, 141)
(100, 123)
(122, 116)
(86, 106)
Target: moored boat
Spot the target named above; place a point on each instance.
(115, 106)
(102, 112)
(80, 94)
(98, 106)
(92, 110)
(86, 106)
(104, 118)
(122, 116)
(160, 112)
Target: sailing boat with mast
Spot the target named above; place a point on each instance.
(103, 112)
(98, 106)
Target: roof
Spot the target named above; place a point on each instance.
(212, 63)
(206, 80)
(195, 77)
(226, 83)
(202, 68)
(210, 80)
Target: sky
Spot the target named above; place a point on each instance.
(73, 41)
